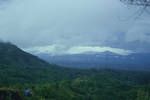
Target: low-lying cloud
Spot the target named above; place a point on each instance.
(61, 50)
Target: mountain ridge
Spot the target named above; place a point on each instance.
(12, 55)
(140, 61)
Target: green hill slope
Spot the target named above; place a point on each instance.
(20, 70)
(17, 66)
(12, 55)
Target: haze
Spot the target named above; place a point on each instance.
(65, 24)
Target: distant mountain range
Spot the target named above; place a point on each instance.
(134, 61)
(11, 55)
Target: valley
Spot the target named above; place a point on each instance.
(52, 82)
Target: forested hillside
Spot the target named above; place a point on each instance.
(89, 85)
(20, 70)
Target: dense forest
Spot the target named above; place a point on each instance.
(69, 84)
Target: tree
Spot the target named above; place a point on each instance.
(142, 4)
(145, 3)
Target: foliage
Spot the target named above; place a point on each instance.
(89, 85)
(20, 70)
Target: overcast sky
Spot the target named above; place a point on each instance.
(74, 23)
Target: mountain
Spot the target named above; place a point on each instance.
(17, 66)
(134, 61)
(20, 70)
(14, 56)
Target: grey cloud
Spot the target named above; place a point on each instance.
(30, 23)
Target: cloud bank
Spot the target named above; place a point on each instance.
(61, 50)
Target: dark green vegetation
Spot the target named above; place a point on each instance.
(11, 55)
(87, 85)
(20, 70)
